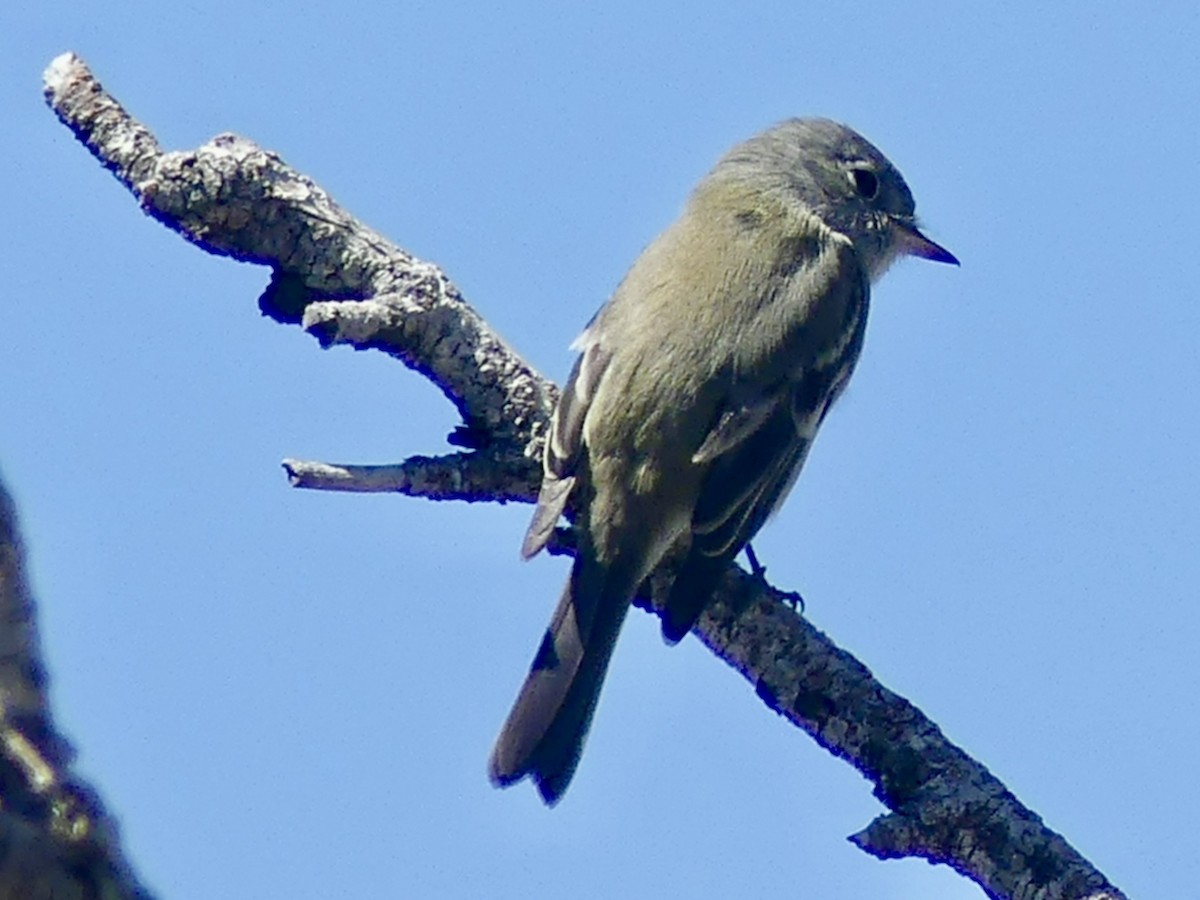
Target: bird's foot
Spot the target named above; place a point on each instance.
(759, 571)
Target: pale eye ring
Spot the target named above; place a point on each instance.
(865, 182)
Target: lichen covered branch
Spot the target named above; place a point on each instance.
(345, 284)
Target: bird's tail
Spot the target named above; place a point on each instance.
(544, 733)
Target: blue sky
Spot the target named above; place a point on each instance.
(293, 694)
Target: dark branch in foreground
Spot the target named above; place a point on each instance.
(56, 840)
(345, 284)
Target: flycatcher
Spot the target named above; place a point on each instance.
(699, 388)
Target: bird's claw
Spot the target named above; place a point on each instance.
(792, 598)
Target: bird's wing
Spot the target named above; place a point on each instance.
(760, 440)
(564, 444)
(810, 335)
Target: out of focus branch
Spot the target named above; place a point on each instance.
(56, 840)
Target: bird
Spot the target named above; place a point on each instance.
(697, 393)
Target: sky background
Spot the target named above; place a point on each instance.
(293, 694)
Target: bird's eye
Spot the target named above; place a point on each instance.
(866, 183)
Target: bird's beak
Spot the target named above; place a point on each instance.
(914, 243)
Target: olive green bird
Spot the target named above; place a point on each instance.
(698, 391)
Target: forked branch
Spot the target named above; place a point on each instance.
(344, 283)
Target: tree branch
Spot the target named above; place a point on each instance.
(457, 476)
(346, 284)
(56, 839)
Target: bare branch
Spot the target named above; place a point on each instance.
(946, 807)
(346, 284)
(457, 476)
(232, 198)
